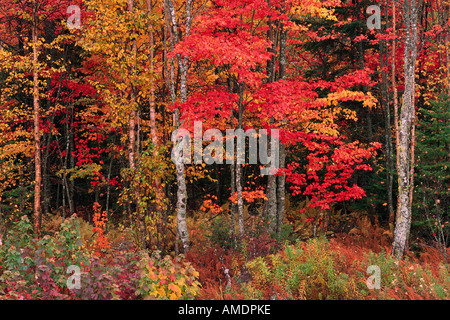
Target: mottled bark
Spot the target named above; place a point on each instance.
(281, 193)
(36, 116)
(392, 218)
(240, 201)
(183, 68)
(403, 223)
(281, 180)
(271, 192)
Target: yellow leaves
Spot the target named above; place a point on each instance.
(161, 291)
(211, 77)
(109, 36)
(370, 100)
(335, 111)
(313, 8)
(173, 296)
(152, 276)
(167, 278)
(81, 171)
(176, 291)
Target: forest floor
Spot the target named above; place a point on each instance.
(353, 265)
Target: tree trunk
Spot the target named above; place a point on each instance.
(233, 185)
(271, 191)
(281, 193)
(183, 68)
(392, 218)
(153, 131)
(240, 201)
(133, 148)
(37, 142)
(132, 114)
(387, 122)
(403, 223)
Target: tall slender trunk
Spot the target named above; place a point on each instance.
(72, 164)
(66, 158)
(387, 121)
(281, 180)
(394, 83)
(403, 223)
(240, 201)
(133, 148)
(392, 218)
(45, 177)
(233, 186)
(37, 142)
(179, 165)
(108, 193)
(152, 89)
(271, 191)
(152, 103)
(281, 193)
(132, 114)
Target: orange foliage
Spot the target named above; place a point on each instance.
(101, 242)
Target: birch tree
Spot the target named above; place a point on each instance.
(170, 12)
(405, 133)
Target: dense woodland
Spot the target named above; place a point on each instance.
(98, 105)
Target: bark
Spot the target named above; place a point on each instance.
(283, 58)
(153, 130)
(132, 114)
(37, 142)
(387, 121)
(66, 158)
(281, 194)
(183, 67)
(108, 193)
(133, 148)
(281, 180)
(45, 177)
(240, 201)
(403, 223)
(233, 186)
(271, 193)
(72, 164)
(395, 98)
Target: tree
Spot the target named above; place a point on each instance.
(231, 38)
(432, 194)
(406, 136)
(172, 25)
(33, 17)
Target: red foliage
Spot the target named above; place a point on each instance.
(210, 265)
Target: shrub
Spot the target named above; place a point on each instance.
(302, 271)
(36, 268)
(166, 278)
